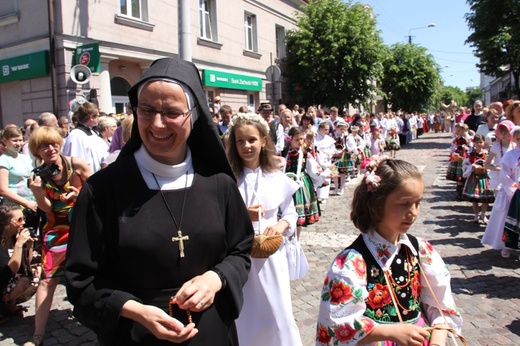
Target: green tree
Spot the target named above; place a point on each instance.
(496, 37)
(411, 79)
(473, 95)
(335, 54)
(451, 93)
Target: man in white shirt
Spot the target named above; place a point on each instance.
(83, 141)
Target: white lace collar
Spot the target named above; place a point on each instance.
(383, 251)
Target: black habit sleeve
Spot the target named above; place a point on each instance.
(89, 272)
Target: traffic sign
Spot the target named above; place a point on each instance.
(273, 73)
(277, 90)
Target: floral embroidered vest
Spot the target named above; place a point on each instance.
(406, 284)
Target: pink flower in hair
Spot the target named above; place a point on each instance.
(372, 180)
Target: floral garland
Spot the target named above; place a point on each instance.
(240, 117)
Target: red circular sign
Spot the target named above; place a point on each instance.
(84, 59)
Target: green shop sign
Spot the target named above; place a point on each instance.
(226, 80)
(88, 55)
(25, 67)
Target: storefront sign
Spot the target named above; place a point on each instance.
(218, 79)
(25, 67)
(88, 55)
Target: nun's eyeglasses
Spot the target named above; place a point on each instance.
(148, 113)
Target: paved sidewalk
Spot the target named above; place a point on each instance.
(484, 284)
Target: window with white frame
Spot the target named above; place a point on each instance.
(137, 9)
(9, 12)
(250, 32)
(207, 20)
(280, 41)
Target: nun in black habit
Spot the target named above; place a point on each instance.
(164, 223)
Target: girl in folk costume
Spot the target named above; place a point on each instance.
(458, 150)
(377, 143)
(504, 186)
(387, 285)
(393, 141)
(303, 168)
(266, 317)
(476, 189)
(363, 149)
(326, 147)
(346, 152)
(310, 148)
(511, 174)
(500, 146)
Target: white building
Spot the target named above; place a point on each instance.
(232, 42)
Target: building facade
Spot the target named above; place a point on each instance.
(46, 45)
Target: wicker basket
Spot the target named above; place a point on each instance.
(265, 245)
(480, 170)
(458, 159)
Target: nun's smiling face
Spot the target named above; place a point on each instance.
(164, 121)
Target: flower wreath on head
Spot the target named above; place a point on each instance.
(248, 117)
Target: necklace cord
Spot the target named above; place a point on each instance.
(168, 206)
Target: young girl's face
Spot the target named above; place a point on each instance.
(401, 209)
(504, 136)
(459, 131)
(14, 144)
(324, 130)
(249, 144)
(516, 139)
(309, 140)
(479, 145)
(341, 130)
(297, 141)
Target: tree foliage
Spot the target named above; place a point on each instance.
(473, 95)
(496, 36)
(335, 54)
(411, 78)
(451, 93)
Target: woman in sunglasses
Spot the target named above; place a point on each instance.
(16, 245)
(56, 185)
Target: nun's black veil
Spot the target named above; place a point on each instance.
(207, 151)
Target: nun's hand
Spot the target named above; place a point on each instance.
(158, 322)
(198, 294)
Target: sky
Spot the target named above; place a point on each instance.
(398, 19)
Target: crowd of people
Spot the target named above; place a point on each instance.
(170, 259)
(43, 166)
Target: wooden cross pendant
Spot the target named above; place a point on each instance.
(181, 240)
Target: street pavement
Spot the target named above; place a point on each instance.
(485, 286)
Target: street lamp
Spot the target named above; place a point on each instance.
(431, 25)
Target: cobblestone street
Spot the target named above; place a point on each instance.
(484, 284)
